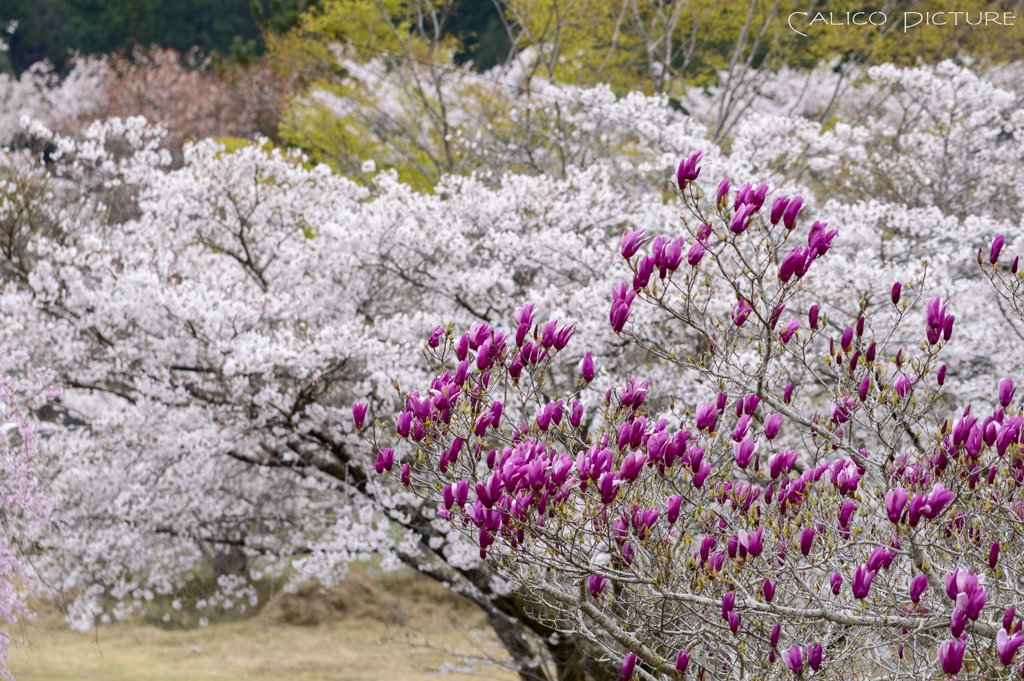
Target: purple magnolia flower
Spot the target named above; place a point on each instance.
(631, 242)
(734, 621)
(935, 313)
(1008, 433)
(672, 506)
(673, 257)
(688, 170)
(608, 487)
(728, 602)
(752, 542)
(632, 465)
(587, 367)
(702, 475)
(772, 425)
(815, 653)
(618, 315)
(787, 334)
(896, 288)
(633, 394)
(740, 431)
(741, 219)
(706, 545)
(657, 443)
(951, 581)
(643, 520)
(820, 241)
(1008, 618)
(951, 656)
(695, 254)
(806, 540)
(880, 557)
(1006, 392)
(682, 661)
(644, 270)
(707, 417)
(957, 622)
(789, 216)
(787, 394)
(845, 513)
(972, 600)
(937, 500)
(947, 327)
(861, 583)
(812, 316)
(778, 209)
(895, 501)
(941, 376)
(902, 386)
(1007, 645)
(744, 451)
(359, 413)
(993, 555)
(842, 411)
(740, 312)
(385, 459)
(628, 665)
(435, 336)
(524, 321)
(792, 264)
(794, 659)
(596, 584)
(576, 414)
(456, 494)
(781, 462)
(769, 590)
(847, 338)
(775, 315)
(997, 245)
(865, 385)
(918, 585)
(722, 198)
(836, 581)
(773, 637)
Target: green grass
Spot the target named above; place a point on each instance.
(398, 636)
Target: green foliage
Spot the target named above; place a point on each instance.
(48, 29)
(282, 15)
(478, 26)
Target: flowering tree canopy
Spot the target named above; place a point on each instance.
(818, 513)
(24, 392)
(215, 322)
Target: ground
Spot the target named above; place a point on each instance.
(409, 630)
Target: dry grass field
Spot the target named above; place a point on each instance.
(358, 631)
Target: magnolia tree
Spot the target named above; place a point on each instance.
(215, 323)
(822, 514)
